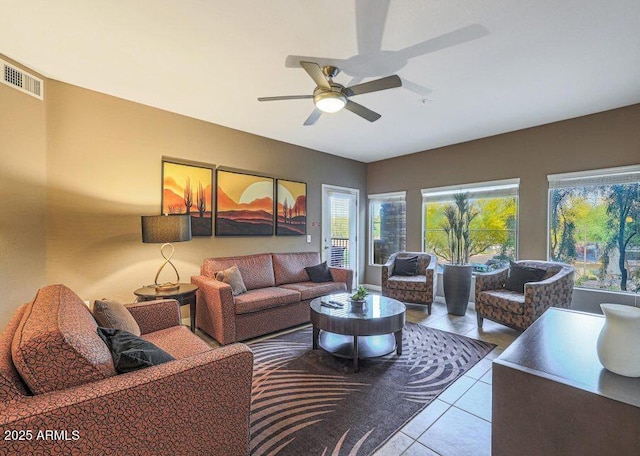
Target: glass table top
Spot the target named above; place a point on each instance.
(374, 306)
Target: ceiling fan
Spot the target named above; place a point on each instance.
(329, 96)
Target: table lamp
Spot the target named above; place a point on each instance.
(166, 229)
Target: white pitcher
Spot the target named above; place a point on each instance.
(619, 342)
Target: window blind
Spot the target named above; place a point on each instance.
(493, 189)
(610, 176)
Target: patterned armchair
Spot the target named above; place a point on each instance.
(419, 289)
(518, 310)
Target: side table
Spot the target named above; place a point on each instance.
(184, 294)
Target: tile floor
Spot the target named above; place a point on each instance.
(458, 422)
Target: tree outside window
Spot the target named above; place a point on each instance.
(594, 224)
(492, 231)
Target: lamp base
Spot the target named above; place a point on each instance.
(167, 286)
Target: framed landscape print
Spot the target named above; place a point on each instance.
(291, 209)
(188, 189)
(244, 204)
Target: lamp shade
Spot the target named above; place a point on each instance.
(161, 229)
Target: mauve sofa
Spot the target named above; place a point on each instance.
(277, 297)
(197, 404)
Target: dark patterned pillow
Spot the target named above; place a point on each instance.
(519, 275)
(319, 273)
(131, 352)
(407, 266)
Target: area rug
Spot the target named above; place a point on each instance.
(308, 402)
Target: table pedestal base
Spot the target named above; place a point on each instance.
(358, 347)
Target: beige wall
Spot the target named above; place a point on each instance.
(601, 140)
(22, 198)
(104, 171)
(78, 170)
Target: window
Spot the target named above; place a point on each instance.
(492, 225)
(594, 224)
(387, 226)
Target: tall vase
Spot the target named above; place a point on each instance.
(456, 279)
(619, 342)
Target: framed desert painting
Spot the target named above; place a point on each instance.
(291, 208)
(188, 189)
(244, 204)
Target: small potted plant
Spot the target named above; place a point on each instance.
(360, 294)
(358, 299)
(456, 275)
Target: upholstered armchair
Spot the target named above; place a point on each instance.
(419, 288)
(519, 310)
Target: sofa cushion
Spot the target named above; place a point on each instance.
(130, 352)
(405, 266)
(178, 341)
(256, 270)
(56, 345)
(265, 298)
(414, 283)
(507, 300)
(289, 267)
(11, 385)
(519, 275)
(319, 273)
(233, 277)
(110, 313)
(310, 290)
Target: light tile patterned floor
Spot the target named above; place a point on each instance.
(458, 422)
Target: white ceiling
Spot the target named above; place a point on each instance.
(539, 61)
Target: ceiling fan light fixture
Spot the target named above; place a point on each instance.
(329, 101)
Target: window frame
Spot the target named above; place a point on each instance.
(477, 190)
(595, 177)
(376, 198)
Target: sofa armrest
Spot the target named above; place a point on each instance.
(343, 275)
(491, 280)
(387, 270)
(431, 273)
(194, 405)
(155, 315)
(216, 309)
(556, 291)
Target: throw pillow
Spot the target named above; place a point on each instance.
(319, 273)
(131, 352)
(233, 277)
(407, 266)
(112, 314)
(519, 275)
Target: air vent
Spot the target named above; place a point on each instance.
(18, 79)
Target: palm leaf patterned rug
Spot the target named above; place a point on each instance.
(308, 402)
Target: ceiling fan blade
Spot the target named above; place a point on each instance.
(370, 21)
(285, 97)
(315, 115)
(462, 35)
(373, 86)
(293, 61)
(314, 70)
(363, 112)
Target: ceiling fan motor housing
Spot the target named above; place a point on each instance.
(330, 100)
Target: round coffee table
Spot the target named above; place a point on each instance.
(356, 331)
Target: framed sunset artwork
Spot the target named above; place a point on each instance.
(244, 204)
(188, 189)
(291, 209)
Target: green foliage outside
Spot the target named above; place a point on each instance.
(492, 232)
(597, 229)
